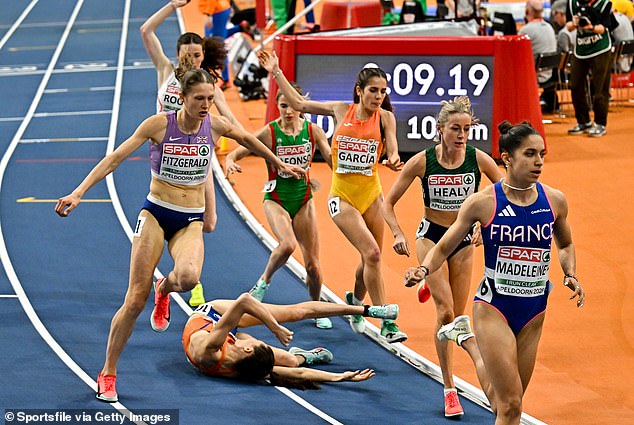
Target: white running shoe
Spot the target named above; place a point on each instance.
(458, 331)
(385, 311)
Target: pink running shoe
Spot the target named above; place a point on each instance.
(160, 318)
(452, 404)
(106, 388)
(423, 292)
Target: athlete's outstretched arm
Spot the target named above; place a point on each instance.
(151, 128)
(223, 107)
(298, 102)
(317, 375)
(231, 161)
(475, 208)
(221, 126)
(151, 42)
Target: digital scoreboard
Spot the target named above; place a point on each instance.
(497, 73)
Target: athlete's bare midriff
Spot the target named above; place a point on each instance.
(181, 195)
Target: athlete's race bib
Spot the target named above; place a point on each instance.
(447, 192)
(171, 99)
(522, 272)
(185, 164)
(356, 156)
(269, 186)
(294, 155)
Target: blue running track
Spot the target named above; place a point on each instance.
(75, 81)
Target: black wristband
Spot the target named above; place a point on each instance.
(425, 270)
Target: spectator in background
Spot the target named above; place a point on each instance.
(592, 56)
(543, 40)
(565, 37)
(284, 11)
(558, 15)
(622, 32)
(218, 13)
(462, 8)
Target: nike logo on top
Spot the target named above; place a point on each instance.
(347, 124)
(191, 218)
(173, 139)
(507, 212)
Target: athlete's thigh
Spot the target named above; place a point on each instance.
(498, 347)
(147, 247)
(527, 343)
(279, 220)
(460, 267)
(373, 217)
(282, 313)
(423, 246)
(305, 228)
(187, 247)
(351, 223)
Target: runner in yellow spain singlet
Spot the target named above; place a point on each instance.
(356, 148)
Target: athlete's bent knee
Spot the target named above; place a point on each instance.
(133, 307)
(510, 409)
(186, 280)
(286, 249)
(372, 255)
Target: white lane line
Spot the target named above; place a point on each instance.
(58, 114)
(78, 89)
(65, 139)
(27, 70)
(79, 23)
(8, 296)
(31, 48)
(4, 254)
(17, 23)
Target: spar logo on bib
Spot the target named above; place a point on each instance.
(451, 180)
(522, 271)
(448, 191)
(186, 150)
(524, 254)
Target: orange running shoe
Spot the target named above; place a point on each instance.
(452, 404)
(423, 292)
(160, 318)
(106, 388)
